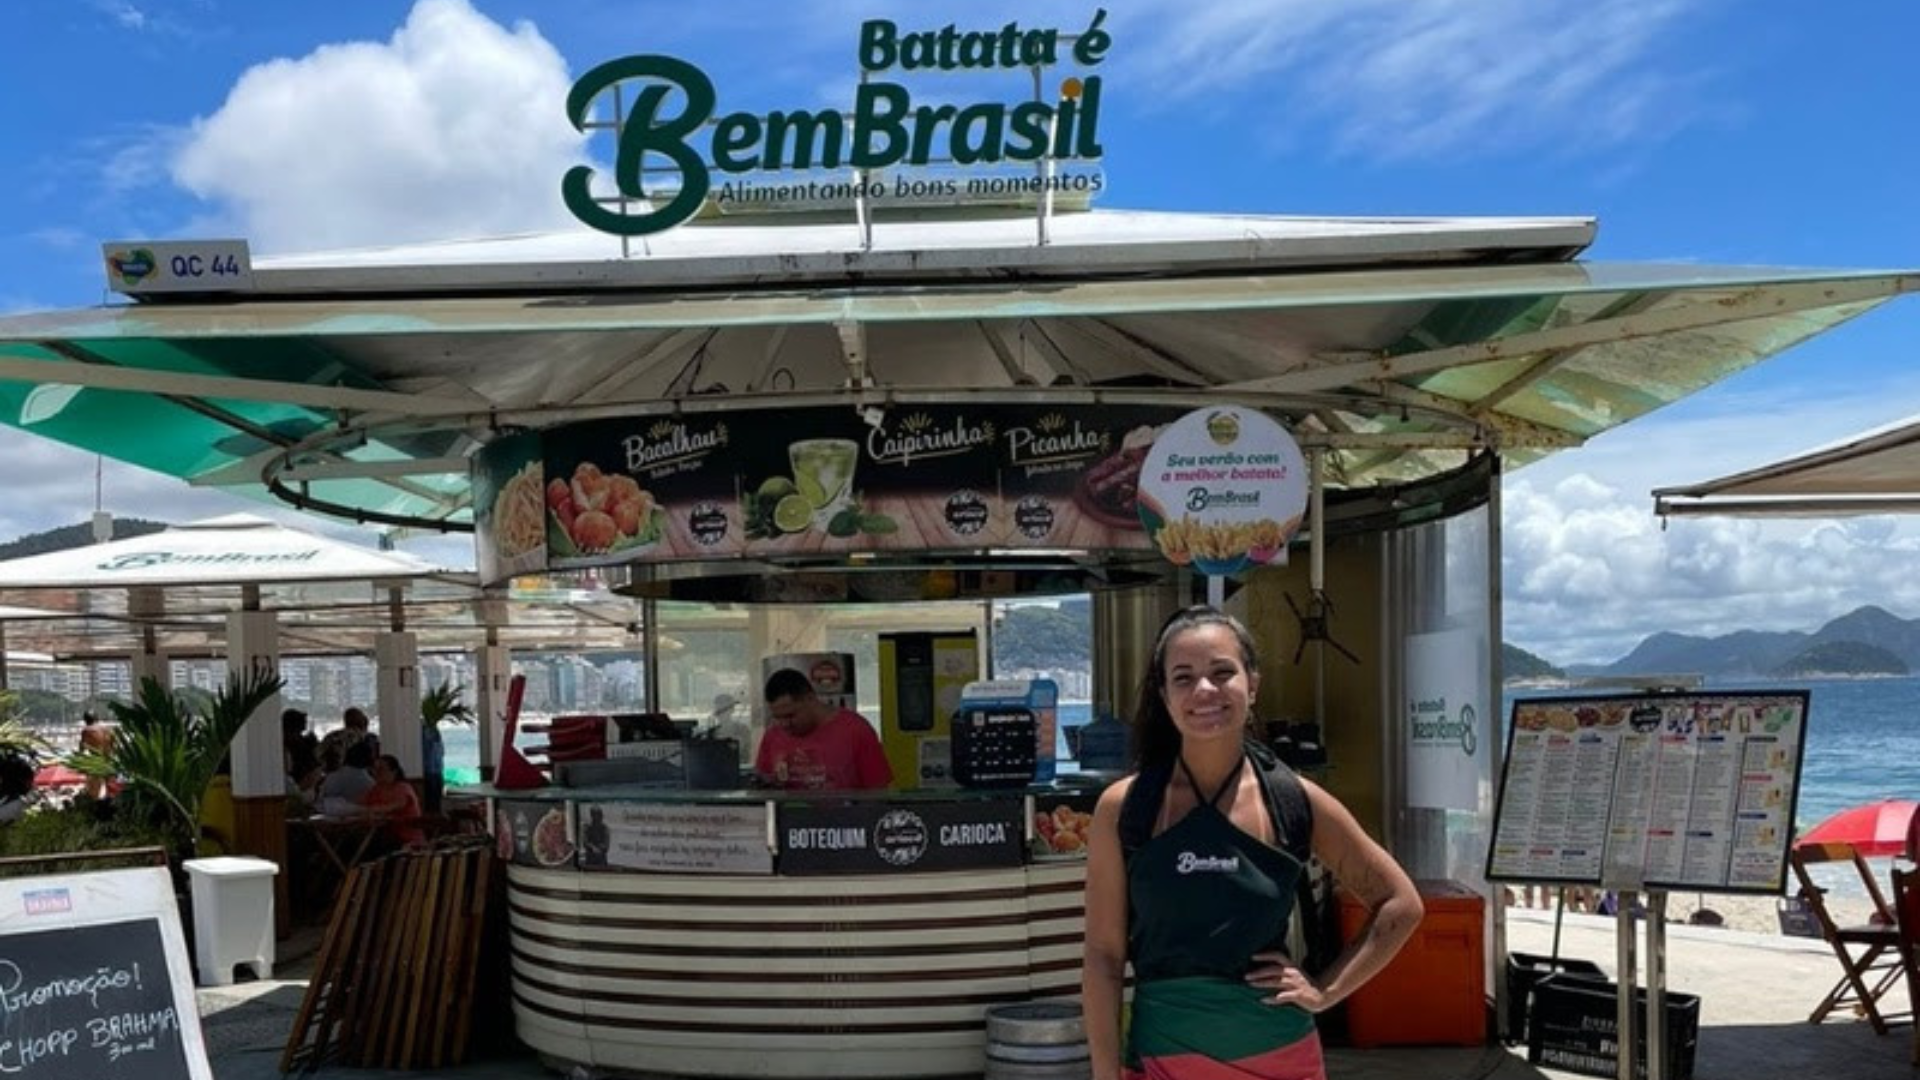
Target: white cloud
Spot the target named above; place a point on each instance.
(1414, 78)
(51, 485)
(451, 128)
(1589, 571)
(125, 15)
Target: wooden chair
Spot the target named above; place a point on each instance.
(1870, 957)
(1906, 909)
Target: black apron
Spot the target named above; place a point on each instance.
(1203, 897)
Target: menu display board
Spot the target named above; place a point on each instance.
(799, 481)
(883, 838)
(681, 839)
(1687, 790)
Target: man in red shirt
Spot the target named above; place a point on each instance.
(812, 745)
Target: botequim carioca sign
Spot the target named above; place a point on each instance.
(885, 129)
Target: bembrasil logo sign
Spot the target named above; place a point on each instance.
(673, 120)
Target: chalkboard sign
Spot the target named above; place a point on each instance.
(93, 980)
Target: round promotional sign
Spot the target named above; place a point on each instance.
(1223, 489)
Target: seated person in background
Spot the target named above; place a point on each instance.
(344, 787)
(353, 729)
(812, 745)
(394, 800)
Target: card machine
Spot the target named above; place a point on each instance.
(994, 746)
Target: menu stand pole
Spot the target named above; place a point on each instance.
(1656, 984)
(1627, 1026)
(1559, 918)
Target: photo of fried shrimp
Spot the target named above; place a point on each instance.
(520, 513)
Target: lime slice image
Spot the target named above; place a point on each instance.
(793, 513)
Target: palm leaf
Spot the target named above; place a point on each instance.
(444, 702)
(166, 755)
(17, 738)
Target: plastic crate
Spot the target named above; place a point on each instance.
(1434, 992)
(1574, 1028)
(1523, 971)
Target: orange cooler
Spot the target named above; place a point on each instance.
(1435, 991)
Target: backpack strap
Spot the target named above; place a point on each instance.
(1141, 806)
(1286, 802)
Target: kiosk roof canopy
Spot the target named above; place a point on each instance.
(1874, 472)
(359, 383)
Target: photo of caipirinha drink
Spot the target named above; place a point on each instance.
(823, 476)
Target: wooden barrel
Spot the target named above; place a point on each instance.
(1037, 1040)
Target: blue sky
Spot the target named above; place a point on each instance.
(1766, 132)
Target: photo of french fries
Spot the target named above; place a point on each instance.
(1186, 539)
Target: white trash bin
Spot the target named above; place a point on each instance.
(232, 917)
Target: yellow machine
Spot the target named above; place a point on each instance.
(921, 675)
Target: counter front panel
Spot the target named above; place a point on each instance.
(786, 977)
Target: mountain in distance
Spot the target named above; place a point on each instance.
(73, 536)
(1517, 663)
(1867, 640)
(1842, 658)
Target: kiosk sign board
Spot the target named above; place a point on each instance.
(804, 481)
(1444, 704)
(901, 837)
(1689, 790)
(675, 116)
(94, 980)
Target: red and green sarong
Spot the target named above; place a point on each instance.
(1203, 1028)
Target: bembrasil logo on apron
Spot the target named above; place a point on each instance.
(1189, 863)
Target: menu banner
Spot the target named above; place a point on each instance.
(1685, 790)
(1062, 823)
(825, 480)
(676, 838)
(903, 837)
(528, 832)
(1223, 490)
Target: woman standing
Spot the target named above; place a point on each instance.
(1199, 900)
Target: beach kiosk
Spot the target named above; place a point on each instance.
(777, 382)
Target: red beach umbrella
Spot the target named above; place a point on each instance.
(1875, 829)
(58, 775)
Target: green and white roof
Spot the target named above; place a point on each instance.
(358, 383)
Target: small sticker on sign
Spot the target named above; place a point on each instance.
(47, 901)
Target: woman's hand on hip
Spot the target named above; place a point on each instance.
(1290, 985)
